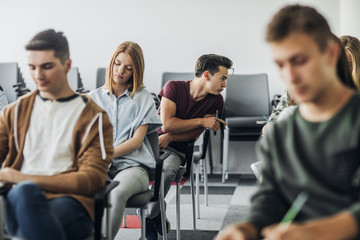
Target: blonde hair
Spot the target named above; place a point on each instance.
(352, 46)
(137, 58)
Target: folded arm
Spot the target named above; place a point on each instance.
(339, 226)
(133, 143)
(172, 124)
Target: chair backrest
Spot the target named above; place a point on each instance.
(167, 76)
(153, 138)
(9, 76)
(247, 95)
(100, 77)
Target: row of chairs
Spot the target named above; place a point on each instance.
(14, 86)
(12, 81)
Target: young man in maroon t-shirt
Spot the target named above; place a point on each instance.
(186, 109)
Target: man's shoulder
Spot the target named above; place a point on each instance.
(97, 92)
(91, 104)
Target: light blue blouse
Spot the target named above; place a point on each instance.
(3, 101)
(126, 115)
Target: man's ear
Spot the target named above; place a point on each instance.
(334, 50)
(207, 75)
(67, 65)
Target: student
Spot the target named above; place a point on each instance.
(285, 101)
(55, 147)
(186, 109)
(315, 150)
(344, 70)
(3, 99)
(133, 114)
(352, 49)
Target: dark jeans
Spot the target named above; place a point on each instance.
(30, 215)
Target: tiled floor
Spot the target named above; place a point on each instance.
(227, 202)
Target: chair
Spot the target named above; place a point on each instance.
(100, 77)
(200, 148)
(10, 78)
(141, 200)
(247, 101)
(74, 80)
(167, 76)
(102, 198)
(185, 171)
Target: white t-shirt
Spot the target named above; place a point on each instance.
(48, 148)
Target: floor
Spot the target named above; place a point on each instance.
(227, 203)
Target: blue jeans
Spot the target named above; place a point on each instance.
(30, 215)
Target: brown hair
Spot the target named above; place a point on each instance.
(211, 63)
(137, 58)
(298, 18)
(50, 40)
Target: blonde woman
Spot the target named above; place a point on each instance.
(131, 110)
(352, 50)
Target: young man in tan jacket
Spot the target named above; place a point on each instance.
(55, 147)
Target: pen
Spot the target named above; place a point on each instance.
(265, 118)
(293, 210)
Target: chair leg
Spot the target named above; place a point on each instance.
(210, 155)
(197, 179)
(143, 224)
(108, 234)
(192, 197)
(2, 217)
(205, 183)
(162, 207)
(225, 171)
(178, 210)
(124, 220)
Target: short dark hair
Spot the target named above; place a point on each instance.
(298, 18)
(211, 63)
(50, 40)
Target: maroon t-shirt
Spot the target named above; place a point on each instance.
(186, 107)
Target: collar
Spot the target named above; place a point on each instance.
(65, 99)
(125, 93)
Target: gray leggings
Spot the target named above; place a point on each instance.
(171, 167)
(132, 180)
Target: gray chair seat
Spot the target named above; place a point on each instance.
(140, 199)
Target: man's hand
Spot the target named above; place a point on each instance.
(292, 232)
(230, 233)
(241, 231)
(212, 123)
(10, 175)
(165, 140)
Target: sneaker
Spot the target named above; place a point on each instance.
(158, 225)
(150, 230)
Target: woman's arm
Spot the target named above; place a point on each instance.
(133, 143)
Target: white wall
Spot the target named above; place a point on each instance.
(172, 34)
(350, 17)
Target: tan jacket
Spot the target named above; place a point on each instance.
(92, 143)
